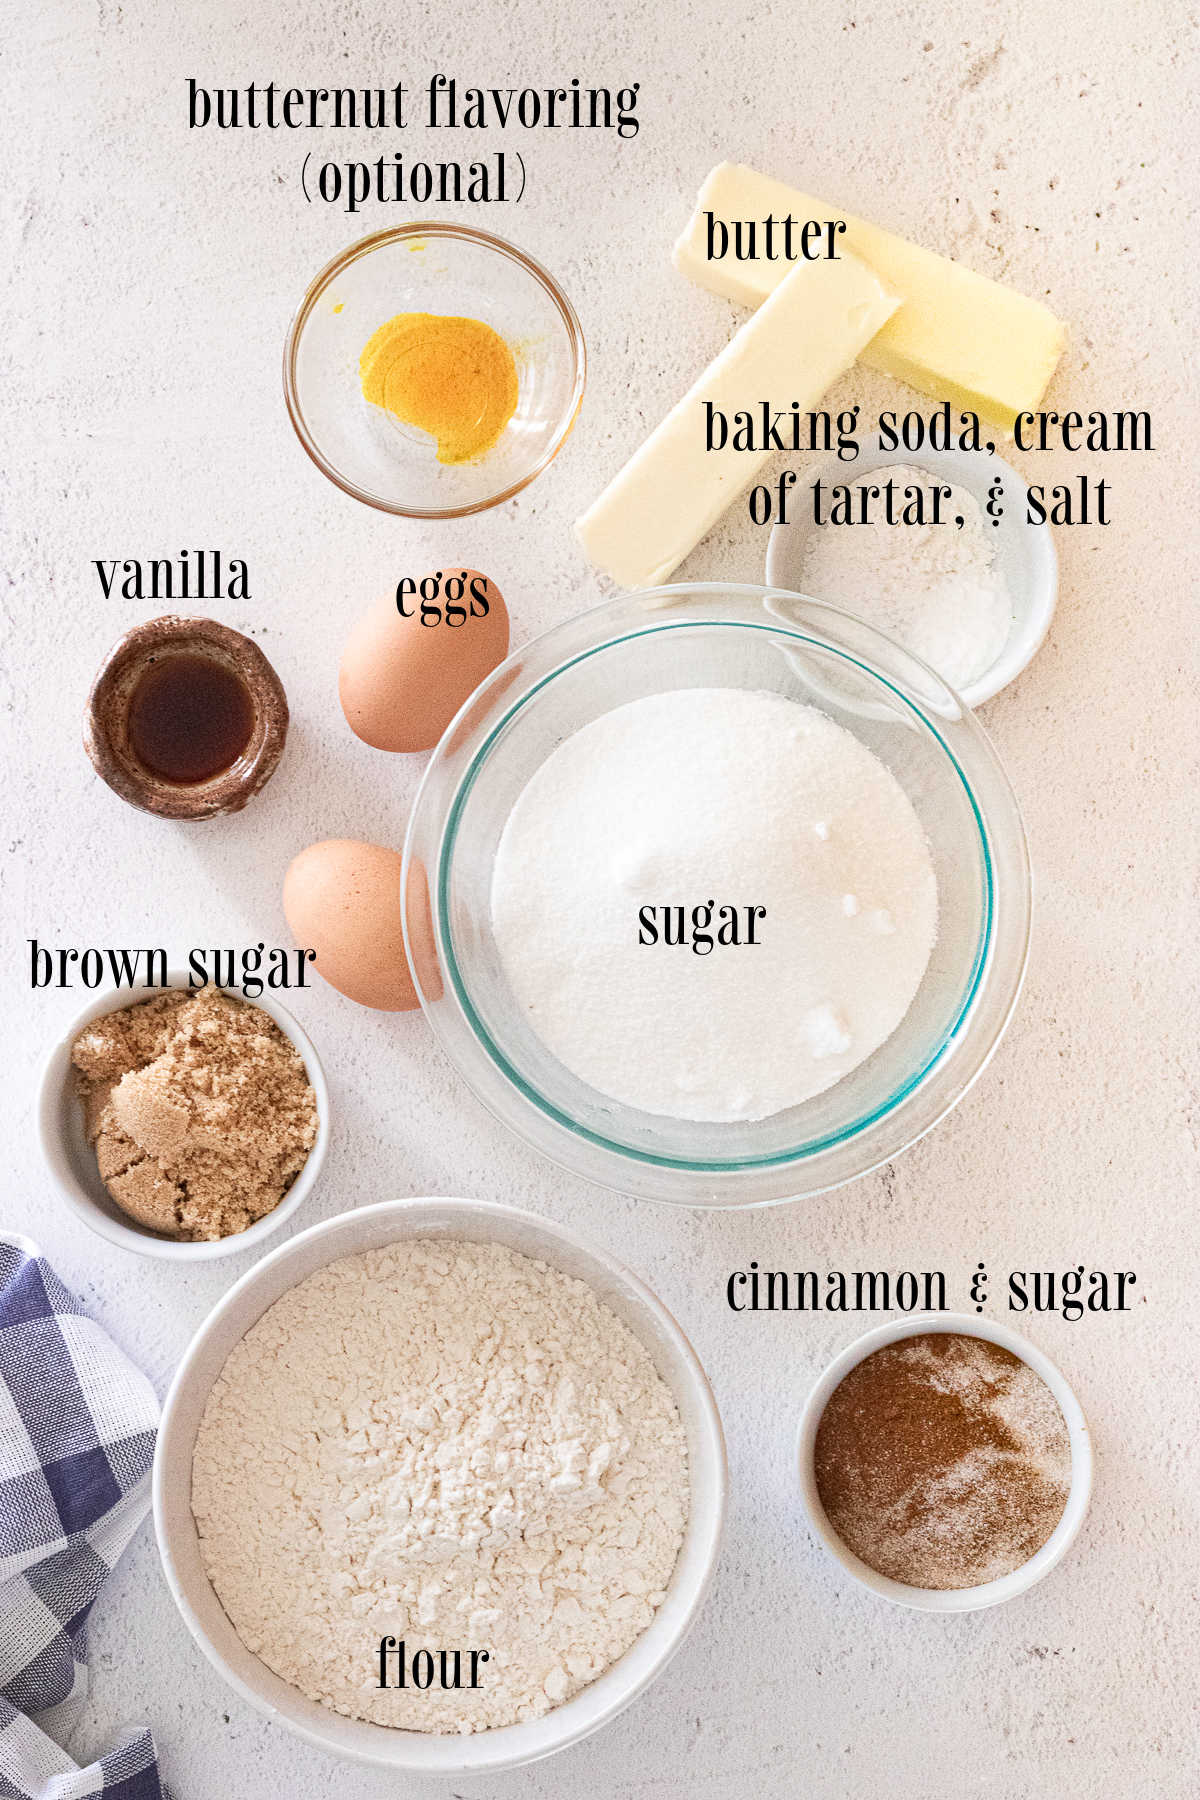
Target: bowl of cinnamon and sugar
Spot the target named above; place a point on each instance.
(944, 1462)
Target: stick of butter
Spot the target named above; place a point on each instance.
(958, 336)
(674, 489)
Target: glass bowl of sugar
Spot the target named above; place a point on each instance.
(716, 895)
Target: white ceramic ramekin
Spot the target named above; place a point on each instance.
(72, 1162)
(990, 1593)
(421, 1753)
(1025, 553)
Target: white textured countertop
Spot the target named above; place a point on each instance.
(149, 278)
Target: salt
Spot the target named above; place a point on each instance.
(934, 588)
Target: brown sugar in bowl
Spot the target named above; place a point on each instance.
(106, 724)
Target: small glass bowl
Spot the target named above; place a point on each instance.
(450, 269)
(713, 635)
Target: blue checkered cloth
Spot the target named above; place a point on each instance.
(77, 1424)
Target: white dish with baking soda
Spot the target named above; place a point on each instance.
(988, 613)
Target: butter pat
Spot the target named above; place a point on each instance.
(673, 490)
(958, 336)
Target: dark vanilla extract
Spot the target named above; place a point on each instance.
(190, 717)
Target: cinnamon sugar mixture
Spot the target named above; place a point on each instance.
(198, 1108)
(943, 1461)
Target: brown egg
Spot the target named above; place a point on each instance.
(342, 899)
(405, 675)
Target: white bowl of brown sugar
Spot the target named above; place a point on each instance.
(183, 1124)
(945, 1462)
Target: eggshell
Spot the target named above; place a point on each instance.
(342, 899)
(401, 682)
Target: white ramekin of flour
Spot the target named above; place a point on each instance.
(212, 1398)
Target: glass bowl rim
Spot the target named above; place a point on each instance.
(795, 1158)
(376, 240)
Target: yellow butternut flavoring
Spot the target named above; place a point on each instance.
(957, 336)
(453, 377)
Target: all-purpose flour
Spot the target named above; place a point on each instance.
(734, 797)
(450, 1444)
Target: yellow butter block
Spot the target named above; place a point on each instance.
(674, 489)
(958, 336)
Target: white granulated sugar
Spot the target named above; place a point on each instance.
(448, 1443)
(740, 798)
(934, 588)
